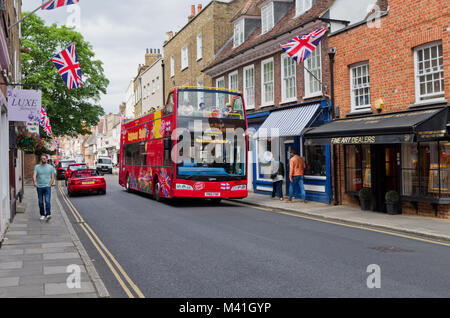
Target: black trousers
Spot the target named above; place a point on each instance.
(279, 185)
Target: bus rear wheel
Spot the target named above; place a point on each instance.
(156, 192)
(128, 183)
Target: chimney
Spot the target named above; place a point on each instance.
(151, 57)
(192, 13)
(199, 8)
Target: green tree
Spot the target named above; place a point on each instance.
(69, 111)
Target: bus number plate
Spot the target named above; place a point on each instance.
(212, 194)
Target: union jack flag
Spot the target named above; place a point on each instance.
(67, 64)
(225, 186)
(301, 47)
(50, 5)
(45, 122)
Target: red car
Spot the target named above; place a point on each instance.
(74, 167)
(86, 180)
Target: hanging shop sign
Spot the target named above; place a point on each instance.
(24, 105)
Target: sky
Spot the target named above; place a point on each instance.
(120, 32)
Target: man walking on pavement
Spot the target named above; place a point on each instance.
(43, 178)
(296, 167)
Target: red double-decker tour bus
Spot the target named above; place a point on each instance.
(196, 146)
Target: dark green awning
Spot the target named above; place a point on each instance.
(400, 127)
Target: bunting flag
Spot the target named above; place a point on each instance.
(301, 47)
(67, 64)
(53, 4)
(45, 122)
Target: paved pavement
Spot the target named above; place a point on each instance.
(189, 248)
(417, 225)
(35, 256)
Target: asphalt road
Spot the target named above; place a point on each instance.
(194, 249)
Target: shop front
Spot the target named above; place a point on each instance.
(406, 152)
(282, 131)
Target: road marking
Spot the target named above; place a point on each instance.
(96, 242)
(361, 227)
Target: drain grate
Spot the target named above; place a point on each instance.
(390, 249)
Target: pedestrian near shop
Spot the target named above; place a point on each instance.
(277, 175)
(43, 178)
(296, 169)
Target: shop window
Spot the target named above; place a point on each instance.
(357, 167)
(426, 169)
(315, 157)
(263, 158)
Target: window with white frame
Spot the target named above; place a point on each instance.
(288, 79)
(233, 81)
(249, 86)
(220, 83)
(429, 69)
(238, 38)
(301, 6)
(360, 86)
(267, 19)
(184, 57)
(172, 66)
(199, 46)
(314, 76)
(267, 82)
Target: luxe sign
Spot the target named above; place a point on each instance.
(24, 105)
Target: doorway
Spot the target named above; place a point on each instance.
(385, 173)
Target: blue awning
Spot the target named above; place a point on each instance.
(288, 122)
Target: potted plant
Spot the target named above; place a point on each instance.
(392, 202)
(365, 198)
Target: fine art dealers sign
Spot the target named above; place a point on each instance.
(24, 105)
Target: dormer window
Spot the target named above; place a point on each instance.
(301, 6)
(267, 19)
(238, 33)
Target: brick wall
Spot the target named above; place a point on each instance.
(390, 53)
(29, 163)
(389, 50)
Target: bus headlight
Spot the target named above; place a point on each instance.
(181, 186)
(239, 187)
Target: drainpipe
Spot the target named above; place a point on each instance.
(163, 84)
(331, 55)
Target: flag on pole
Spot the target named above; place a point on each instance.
(45, 122)
(67, 64)
(53, 4)
(301, 47)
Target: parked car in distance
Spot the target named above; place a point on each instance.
(104, 165)
(85, 181)
(74, 167)
(61, 168)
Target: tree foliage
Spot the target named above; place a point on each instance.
(70, 111)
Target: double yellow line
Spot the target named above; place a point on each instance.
(119, 273)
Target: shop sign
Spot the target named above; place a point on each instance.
(24, 105)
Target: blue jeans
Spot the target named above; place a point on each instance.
(44, 196)
(295, 187)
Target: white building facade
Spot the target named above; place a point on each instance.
(152, 86)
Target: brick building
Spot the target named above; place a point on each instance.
(279, 94)
(392, 92)
(194, 47)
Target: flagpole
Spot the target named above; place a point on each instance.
(34, 11)
(37, 69)
(315, 77)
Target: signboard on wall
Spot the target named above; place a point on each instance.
(24, 105)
